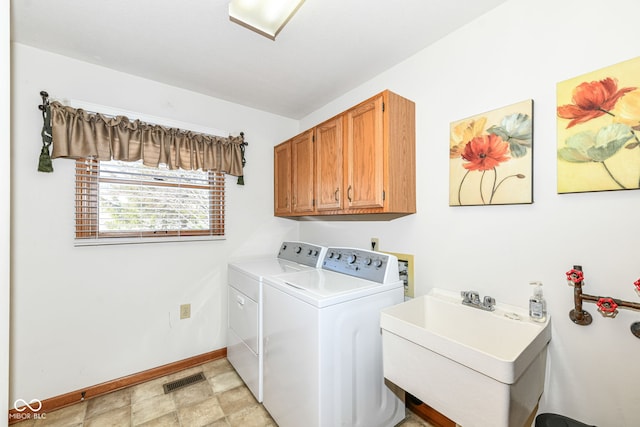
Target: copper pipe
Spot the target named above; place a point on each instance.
(582, 317)
(578, 315)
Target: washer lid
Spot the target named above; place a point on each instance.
(322, 288)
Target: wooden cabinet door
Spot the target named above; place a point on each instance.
(365, 145)
(329, 165)
(302, 168)
(282, 178)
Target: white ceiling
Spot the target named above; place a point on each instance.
(328, 48)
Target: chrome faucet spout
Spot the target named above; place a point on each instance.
(472, 299)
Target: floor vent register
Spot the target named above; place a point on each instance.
(183, 382)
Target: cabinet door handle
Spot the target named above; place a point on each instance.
(349, 193)
(336, 194)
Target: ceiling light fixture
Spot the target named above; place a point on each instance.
(265, 17)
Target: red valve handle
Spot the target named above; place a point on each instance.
(607, 305)
(637, 284)
(575, 276)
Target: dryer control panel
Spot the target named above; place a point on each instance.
(302, 253)
(370, 265)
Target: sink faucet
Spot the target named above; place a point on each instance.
(472, 299)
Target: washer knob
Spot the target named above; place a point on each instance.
(352, 258)
(377, 263)
(367, 261)
(331, 254)
(299, 249)
(309, 252)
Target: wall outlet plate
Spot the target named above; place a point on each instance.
(185, 311)
(405, 268)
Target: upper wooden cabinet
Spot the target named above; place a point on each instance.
(282, 179)
(363, 162)
(364, 159)
(293, 165)
(302, 173)
(329, 165)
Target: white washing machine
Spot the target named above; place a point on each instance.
(323, 347)
(245, 276)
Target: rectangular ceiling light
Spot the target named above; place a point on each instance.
(266, 17)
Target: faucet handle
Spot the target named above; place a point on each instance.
(489, 302)
(470, 296)
(474, 296)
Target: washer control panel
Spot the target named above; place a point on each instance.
(375, 266)
(302, 253)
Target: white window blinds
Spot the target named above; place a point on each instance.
(125, 200)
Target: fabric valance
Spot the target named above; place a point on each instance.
(77, 133)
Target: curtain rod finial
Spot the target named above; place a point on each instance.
(45, 100)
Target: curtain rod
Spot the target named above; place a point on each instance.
(131, 115)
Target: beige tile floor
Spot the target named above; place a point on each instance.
(221, 401)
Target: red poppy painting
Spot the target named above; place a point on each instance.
(490, 158)
(599, 130)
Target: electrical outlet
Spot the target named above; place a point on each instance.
(185, 311)
(375, 244)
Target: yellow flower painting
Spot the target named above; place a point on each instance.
(490, 159)
(599, 130)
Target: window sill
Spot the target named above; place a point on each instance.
(137, 240)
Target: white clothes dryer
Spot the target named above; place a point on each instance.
(244, 305)
(323, 347)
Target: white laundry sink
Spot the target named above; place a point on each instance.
(477, 367)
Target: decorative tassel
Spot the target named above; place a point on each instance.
(44, 163)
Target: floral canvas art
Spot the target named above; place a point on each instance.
(598, 130)
(490, 157)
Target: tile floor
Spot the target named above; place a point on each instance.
(221, 401)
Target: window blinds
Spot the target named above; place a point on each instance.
(128, 200)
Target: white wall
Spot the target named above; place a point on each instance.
(84, 315)
(519, 51)
(5, 203)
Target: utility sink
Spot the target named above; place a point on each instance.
(477, 367)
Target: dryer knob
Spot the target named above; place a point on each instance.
(331, 254)
(309, 252)
(377, 263)
(352, 258)
(367, 261)
(299, 249)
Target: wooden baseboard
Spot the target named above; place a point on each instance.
(67, 399)
(434, 417)
(427, 413)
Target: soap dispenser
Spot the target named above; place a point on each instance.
(537, 304)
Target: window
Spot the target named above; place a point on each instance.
(125, 202)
